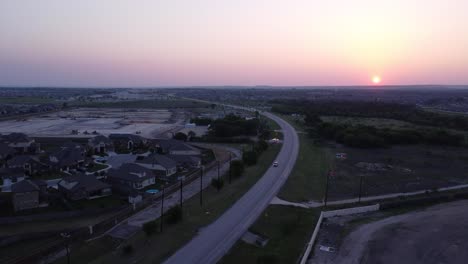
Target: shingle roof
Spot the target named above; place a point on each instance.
(68, 156)
(15, 138)
(21, 160)
(131, 172)
(24, 186)
(132, 137)
(5, 150)
(172, 144)
(75, 182)
(162, 160)
(98, 139)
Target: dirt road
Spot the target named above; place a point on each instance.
(438, 234)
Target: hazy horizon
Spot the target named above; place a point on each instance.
(120, 43)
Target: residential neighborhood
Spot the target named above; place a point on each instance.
(122, 166)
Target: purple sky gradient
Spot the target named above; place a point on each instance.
(117, 43)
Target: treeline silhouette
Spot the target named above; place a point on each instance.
(403, 112)
(364, 136)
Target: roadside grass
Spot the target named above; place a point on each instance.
(288, 230)
(308, 178)
(156, 248)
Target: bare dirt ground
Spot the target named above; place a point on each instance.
(148, 122)
(436, 235)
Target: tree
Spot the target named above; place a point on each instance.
(174, 215)
(213, 106)
(191, 134)
(237, 168)
(150, 228)
(262, 145)
(217, 183)
(250, 158)
(180, 136)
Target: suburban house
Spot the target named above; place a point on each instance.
(176, 147)
(78, 187)
(6, 152)
(28, 194)
(10, 176)
(67, 158)
(30, 164)
(131, 175)
(162, 165)
(186, 161)
(127, 141)
(100, 144)
(20, 142)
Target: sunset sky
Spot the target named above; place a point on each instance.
(112, 43)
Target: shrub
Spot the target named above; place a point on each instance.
(237, 168)
(180, 136)
(127, 250)
(217, 183)
(174, 215)
(250, 158)
(150, 228)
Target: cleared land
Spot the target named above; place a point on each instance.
(149, 122)
(435, 235)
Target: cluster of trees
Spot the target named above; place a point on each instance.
(201, 121)
(368, 137)
(404, 112)
(233, 126)
(250, 157)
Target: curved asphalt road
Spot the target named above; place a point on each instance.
(215, 240)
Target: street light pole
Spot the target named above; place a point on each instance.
(230, 163)
(218, 178)
(162, 210)
(181, 191)
(67, 236)
(360, 189)
(326, 189)
(201, 186)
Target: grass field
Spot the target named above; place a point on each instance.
(156, 248)
(288, 230)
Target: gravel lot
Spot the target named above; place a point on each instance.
(438, 234)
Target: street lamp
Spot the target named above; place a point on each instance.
(67, 237)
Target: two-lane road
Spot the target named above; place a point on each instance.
(215, 240)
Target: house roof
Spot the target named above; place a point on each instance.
(68, 156)
(21, 160)
(126, 137)
(159, 159)
(99, 139)
(71, 145)
(75, 182)
(131, 172)
(15, 138)
(185, 158)
(5, 150)
(175, 145)
(25, 186)
(11, 172)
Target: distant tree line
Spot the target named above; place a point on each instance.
(364, 136)
(403, 112)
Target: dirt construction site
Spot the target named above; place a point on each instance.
(82, 121)
(437, 234)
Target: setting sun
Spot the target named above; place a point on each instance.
(376, 79)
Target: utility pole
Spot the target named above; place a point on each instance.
(162, 210)
(201, 186)
(181, 191)
(360, 189)
(230, 163)
(218, 178)
(326, 190)
(67, 236)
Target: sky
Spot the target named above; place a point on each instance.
(154, 43)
